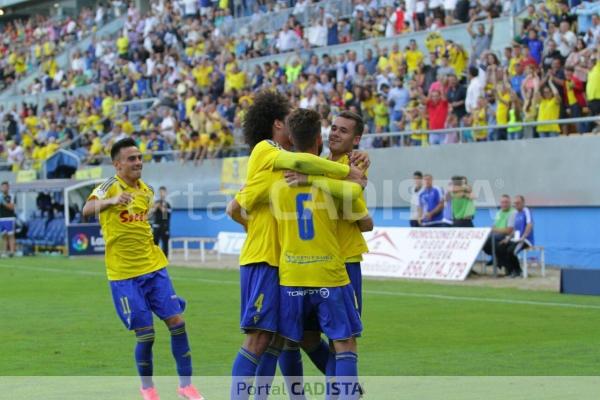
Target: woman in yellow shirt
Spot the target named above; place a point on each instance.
(382, 113)
(480, 119)
(367, 105)
(418, 122)
(548, 109)
(503, 104)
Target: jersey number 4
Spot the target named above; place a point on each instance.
(306, 227)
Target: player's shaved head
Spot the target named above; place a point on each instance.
(268, 109)
(304, 127)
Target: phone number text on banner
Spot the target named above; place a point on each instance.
(423, 253)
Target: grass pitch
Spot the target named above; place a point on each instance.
(57, 319)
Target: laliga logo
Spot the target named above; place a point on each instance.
(80, 242)
(324, 292)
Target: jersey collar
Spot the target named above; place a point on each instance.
(124, 185)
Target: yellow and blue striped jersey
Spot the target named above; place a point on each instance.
(130, 249)
(352, 242)
(307, 220)
(262, 243)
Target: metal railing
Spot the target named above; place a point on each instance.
(174, 155)
(456, 33)
(463, 132)
(43, 97)
(274, 20)
(239, 149)
(136, 109)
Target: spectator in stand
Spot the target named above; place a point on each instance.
(482, 40)
(535, 46)
(398, 98)
(463, 206)
(156, 145)
(549, 107)
(565, 39)
(431, 204)
(475, 88)
(517, 78)
(550, 54)
(15, 156)
(574, 97)
(503, 96)
(456, 95)
(437, 111)
(415, 193)
(522, 238)
(593, 85)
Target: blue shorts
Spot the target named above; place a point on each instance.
(355, 275)
(7, 225)
(335, 310)
(137, 298)
(259, 284)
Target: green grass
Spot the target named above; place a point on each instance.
(57, 318)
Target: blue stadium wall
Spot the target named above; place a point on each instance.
(570, 235)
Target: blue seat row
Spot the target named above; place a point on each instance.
(45, 232)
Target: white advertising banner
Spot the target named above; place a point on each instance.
(230, 242)
(423, 253)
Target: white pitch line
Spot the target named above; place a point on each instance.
(483, 299)
(93, 273)
(374, 292)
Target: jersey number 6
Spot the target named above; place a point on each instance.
(306, 228)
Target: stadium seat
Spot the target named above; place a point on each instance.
(55, 233)
(526, 260)
(36, 231)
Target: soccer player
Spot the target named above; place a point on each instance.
(265, 133)
(136, 267)
(313, 278)
(346, 132)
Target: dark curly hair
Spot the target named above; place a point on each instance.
(305, 127)
(268, 107)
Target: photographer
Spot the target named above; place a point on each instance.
(7, 218)
(161, 220)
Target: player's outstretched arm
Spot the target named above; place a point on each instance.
(95, 206)
(234, 210)
(339, 189)
(310, 164)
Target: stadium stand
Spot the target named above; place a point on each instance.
(180, 58)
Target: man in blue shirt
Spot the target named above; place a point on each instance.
(370, 62)
(517, 79)
(522, 238)
(398, 98)
(431, 204)
(156, 144)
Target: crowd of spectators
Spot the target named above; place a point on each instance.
(33, 43)
(551, 70)
(180, 33)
